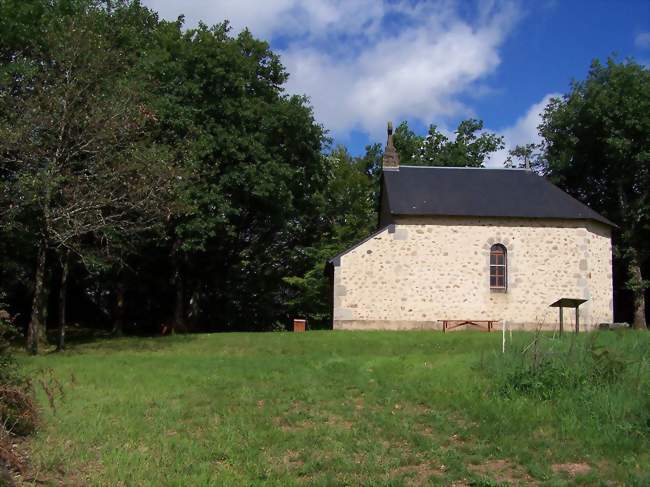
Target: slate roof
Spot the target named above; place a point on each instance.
(450, 191)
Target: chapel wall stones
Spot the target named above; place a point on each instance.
(434, 268)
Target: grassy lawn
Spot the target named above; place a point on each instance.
(322, 408)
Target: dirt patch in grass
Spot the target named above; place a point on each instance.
(223, 463)
(571, 469)
(291, 460)
(289, 427)
(503, 471)
(456, 440)
(410, 409)
(462, 422)
(427, 432)
(335, 420)
(86, 472)
(80, 476)
(416, 474)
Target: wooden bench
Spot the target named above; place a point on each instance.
(484, 325)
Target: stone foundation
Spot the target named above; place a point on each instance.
(388, 325)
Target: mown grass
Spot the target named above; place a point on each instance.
(334, 408)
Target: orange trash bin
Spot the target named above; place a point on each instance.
(299, 325)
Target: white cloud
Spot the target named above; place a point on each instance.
(363, 62)
(418, 73)
(642, 40)
(267, 18)
(523, 131)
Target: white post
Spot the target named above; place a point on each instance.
(503, 336)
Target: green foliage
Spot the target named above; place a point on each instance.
(101, 103)
(348, 209)
(9, 373)
(253, 174)
(470, 147)
(17, 410)
(525, 156)
(79, 163)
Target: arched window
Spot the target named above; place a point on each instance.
(498, 267)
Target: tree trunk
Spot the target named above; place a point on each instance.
(636, 276)
(179, 288)
(63, 298)
(194, 309)
(634, 269)
(36, 329)
(179, 306)
(118, 313)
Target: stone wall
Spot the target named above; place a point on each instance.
(422, 270)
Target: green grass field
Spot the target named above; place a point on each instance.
(330, 408)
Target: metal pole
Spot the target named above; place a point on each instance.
(561, 321)
(577, 318)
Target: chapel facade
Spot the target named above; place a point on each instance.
(473, 244)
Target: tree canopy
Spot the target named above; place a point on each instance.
(470, 145)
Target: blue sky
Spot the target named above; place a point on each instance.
(363, 62)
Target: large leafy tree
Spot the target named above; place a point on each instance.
(254, 169)
(470, 146)
(597, 147)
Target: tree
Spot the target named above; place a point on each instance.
(597, 147)
(525, 156)
(74, 125)
(254, 170)
(349, 203)
(469, 148)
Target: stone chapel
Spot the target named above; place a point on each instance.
(473, 244)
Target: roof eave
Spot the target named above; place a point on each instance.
(602, 220)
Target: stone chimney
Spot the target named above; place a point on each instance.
(391, 157)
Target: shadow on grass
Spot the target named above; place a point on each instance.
(80, 340)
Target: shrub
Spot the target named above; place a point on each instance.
(9, 373)
(18, 413)
(17, 408)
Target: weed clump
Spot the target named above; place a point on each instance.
(591, 386)
(544, 368)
